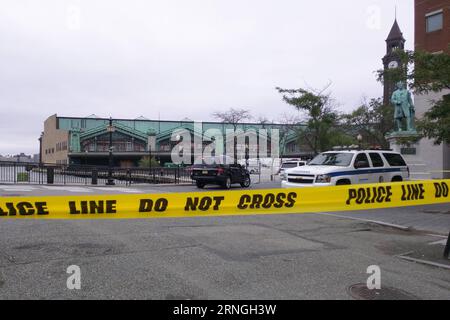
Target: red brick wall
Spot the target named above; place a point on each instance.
(437, 40)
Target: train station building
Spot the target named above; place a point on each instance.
(86, 141)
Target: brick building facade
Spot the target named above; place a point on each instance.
(432, 34)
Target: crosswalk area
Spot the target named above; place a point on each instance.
(71, 189)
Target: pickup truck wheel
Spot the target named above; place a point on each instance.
(246, 182)
(227, 183)
(200, 185)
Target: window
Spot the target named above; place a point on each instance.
(394, 159)
(376, 160)
(332, 159)
(288, 165)
(435, 21)
(362, 158)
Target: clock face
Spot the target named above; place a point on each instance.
(393, 65)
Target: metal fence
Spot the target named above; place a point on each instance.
(31, 173)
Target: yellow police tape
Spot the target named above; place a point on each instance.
(222, 203)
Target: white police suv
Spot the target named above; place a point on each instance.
(348, 167)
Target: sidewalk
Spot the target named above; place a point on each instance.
(430, 218)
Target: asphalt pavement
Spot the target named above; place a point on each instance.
(292, 256)
(305, 256)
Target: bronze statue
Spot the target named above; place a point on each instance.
(404, 108)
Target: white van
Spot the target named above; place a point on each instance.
(289, 164)
(348, 167)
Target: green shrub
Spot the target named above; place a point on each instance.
(143, 163)
(22, 177)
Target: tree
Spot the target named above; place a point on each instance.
(289, 124)
(321, 131)
(426, 73)
(233, 117)
(144, 162)
(263, 121)
(436, 121)
(373, 120)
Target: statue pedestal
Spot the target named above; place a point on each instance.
(407, 143)
(402, 140)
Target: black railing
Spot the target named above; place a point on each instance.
(32, 173)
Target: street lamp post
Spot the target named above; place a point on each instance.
(40, 149)
(149, 158)
(247, 155)
(110, 129)
(359, 138)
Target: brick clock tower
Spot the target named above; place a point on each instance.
(394, 41)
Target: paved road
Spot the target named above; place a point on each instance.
(297, 256)
(305, 256)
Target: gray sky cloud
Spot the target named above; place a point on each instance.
(175, 59)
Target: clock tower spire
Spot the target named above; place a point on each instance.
(394, 41)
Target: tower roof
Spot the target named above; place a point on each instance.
(396, 33)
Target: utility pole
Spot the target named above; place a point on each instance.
(447, 248)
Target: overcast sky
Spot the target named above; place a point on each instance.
(174, 59)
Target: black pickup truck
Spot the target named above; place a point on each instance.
(221, 174)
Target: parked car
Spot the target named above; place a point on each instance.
(252, 165)
(348, 167)
(220, 174)
(289, 164)
(253, 170)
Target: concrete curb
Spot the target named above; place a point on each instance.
(426, 262)
(403, 228)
